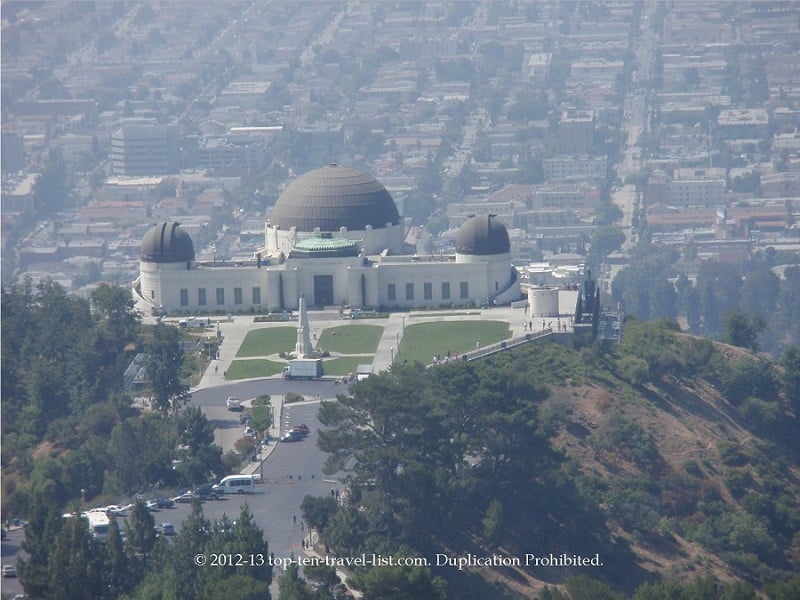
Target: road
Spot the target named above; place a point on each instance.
(10, 548)
(292, 470)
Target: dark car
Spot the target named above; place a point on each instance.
(207, 492)
(167, 529)
(245, 417)
(292, 436)
(164, 503)
(301, 429)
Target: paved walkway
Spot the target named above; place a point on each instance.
(233, 330)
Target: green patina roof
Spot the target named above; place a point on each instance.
(320, 243)
(322, 247)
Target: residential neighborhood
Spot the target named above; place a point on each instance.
(128, 113)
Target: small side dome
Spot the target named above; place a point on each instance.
(167, 243)
(482, 235)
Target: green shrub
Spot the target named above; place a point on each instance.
(731, 454)
(634, 370)
(747, 378)
(230, 461)
(692, 468)
(737, 481)
(760, 414)
(620, 433)
(263, 400)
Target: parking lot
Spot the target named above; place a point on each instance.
(292, 471)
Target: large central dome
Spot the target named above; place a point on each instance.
(334, 197)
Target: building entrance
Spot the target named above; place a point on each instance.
(323, 290)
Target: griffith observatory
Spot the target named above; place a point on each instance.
(336, 238)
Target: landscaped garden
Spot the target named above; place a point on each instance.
(254, 367)
(422, 341)
(268, 340)
(351, 339)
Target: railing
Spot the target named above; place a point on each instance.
(499, 346)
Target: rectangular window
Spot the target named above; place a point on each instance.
(237, 295)
(445, 290)
(184, 297)
(220, 296)
(464, 290)
(201, 296)
(409, 291)
(256, 295)
(427, 291)
(391, 292)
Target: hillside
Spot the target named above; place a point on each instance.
(698, 482)
(671, 457)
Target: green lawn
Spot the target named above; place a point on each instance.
(256, 367)
(351, 339)
(268, 340)
(345, 365)
(422, 340)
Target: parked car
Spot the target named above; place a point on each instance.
(167, 529)
(185, 498)
(303, 429)
(292, 436)
(249, 432)
(245, 417)
(152, 505)
(164, 502)
(9, 571)
(117, 511)
(207, 492)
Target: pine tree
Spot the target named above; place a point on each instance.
(141, 531)
(118, 575)
(76, 563)
(43, 525)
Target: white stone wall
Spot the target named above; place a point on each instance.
(543, 302)
(161, 283)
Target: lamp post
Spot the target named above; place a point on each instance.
(391, 350)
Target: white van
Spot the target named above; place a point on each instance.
(98, 523)
(236, 484)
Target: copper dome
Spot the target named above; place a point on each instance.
(333, 197)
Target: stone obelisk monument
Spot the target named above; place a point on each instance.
(303, 348)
